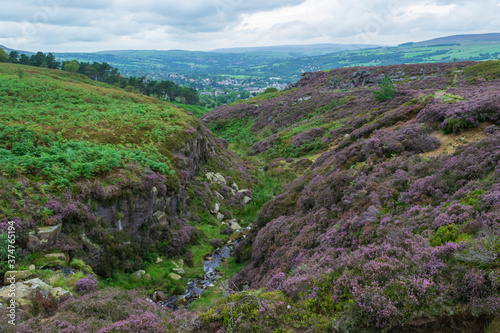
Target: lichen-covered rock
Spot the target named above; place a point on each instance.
(16, 276)
(43, 237)
(35, 291)
(137, 275)
(216, 178)
(174, 276)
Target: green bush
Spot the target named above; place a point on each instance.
(270, 90)
(386, 92)
(449, 233)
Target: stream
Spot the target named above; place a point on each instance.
(196, 287)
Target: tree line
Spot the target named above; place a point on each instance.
(104, 72)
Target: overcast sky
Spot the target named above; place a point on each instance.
(94, 25)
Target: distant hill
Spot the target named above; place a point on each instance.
(458, 40)
(260, 67)
(300, 50)
(8, 50)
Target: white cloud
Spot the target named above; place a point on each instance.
(70, 25)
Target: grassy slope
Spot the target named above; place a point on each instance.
(60, 130)
(62, 135)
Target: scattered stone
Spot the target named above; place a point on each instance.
(247, 199)
(234, 186)
(216, 209)
(216, 178)
(32, 267)
(175, 277)
(147, 277)
(44, 237)
(220, 217)
(181, 262)
(159, 296)
(137, 275)
(32, 292)
(307, 98)
(158, 260)
(181, 302)
(179, 270)
(17, 275)
(245, 190)
(235, 226)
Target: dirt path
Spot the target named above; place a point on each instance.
(450, 142)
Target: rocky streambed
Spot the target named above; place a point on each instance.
(196, 287)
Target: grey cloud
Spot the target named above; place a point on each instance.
(217, 23)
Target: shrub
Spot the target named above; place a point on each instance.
(86, 285)
(270, 90)
(189, 258)
(386, 92)
(216, 243)
(449, 233)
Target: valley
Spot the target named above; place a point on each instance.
(359, 199)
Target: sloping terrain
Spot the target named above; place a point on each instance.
(381, 230)
(379, 227)
(94, 179)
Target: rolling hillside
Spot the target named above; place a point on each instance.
(392, 221)
(99, 183)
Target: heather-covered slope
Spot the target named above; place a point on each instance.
(386, 228)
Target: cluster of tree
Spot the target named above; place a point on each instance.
(161, 89)
(38, 60)
(104, 72)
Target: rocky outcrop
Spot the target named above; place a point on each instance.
(43, 237)
(130, 210)
(32, 293)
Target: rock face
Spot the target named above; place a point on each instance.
(156, 206)
(35, 292)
